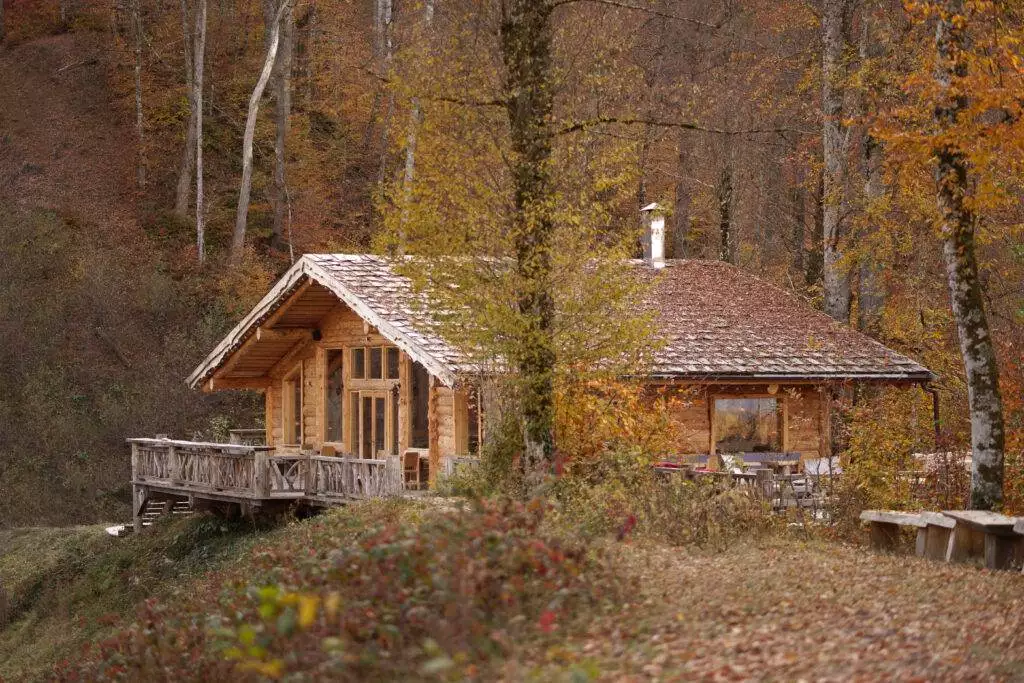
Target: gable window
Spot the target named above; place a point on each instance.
(358, 363)
(747, 425)
(376, 364)
(291, 408)
(335, 395)
(392, 362)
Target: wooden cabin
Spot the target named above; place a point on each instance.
(362, 397)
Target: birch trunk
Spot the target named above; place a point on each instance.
(282, 78)
(525, 39)
(387, 10)
(188, 157)
(835, 140)
(966, 293)
(140, 170)
(415, 121)
(197, 99)
(242, 214)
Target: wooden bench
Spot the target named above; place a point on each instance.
(987, 534)
(885, 526)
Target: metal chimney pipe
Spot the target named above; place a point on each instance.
(654, 240)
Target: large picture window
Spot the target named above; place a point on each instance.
(747, 425)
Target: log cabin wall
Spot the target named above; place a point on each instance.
(804, 414)
(344, 329)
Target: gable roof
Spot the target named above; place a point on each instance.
(718, 323)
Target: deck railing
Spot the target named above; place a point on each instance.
(257, 472)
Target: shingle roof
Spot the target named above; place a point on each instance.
(716, 321)
(719, 321)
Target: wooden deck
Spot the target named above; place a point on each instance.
(255, 475)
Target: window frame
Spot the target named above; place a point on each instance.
(782, 411)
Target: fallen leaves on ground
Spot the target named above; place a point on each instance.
(790, 610)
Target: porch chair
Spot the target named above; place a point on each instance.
(411, 470)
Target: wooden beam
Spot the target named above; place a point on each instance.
(220, 383)
(283, 308)
(264, 333)
(289, 358)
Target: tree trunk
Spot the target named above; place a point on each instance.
(140, 169)
(3, 29)
(183, 191)
(723, 196)
(797, 203)
(281, 76)
(197, 101)
(242, 214)
(684, 197)
(835, 140)
(415, 121)
(526, 52)
(387, 17)
(966, 293)
(814, 256)
(870, 295)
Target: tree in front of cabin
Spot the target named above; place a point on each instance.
(957, 134)
(546, 299)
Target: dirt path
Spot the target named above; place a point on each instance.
(65, 142)
(790, 611)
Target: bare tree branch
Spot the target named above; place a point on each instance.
(687, 125)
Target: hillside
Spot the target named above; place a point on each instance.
(100, 321)
(410, 602)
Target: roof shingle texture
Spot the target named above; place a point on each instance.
(716, 321)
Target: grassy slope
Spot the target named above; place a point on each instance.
(779, 608)
(69, 586)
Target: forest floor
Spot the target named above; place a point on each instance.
(772, 608)
(60, 146)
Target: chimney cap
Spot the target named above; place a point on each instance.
(653, 206)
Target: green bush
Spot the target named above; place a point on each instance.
(620, 493)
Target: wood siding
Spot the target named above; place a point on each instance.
(804, 415)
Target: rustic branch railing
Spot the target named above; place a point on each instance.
(215, 467)
(254, 472)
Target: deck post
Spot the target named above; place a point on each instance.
(139, 496)
(173, 470)
(135, 462)
(260, 473)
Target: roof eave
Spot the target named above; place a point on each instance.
(307, 268)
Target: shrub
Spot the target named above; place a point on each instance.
(439, 596)
(621, 493)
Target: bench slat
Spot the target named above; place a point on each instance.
(892, 517)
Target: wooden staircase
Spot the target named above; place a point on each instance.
(155, 509)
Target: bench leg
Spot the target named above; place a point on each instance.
(884, 535)
(921, 547)
(936, 542)
(1002, 552)
(964, 543)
